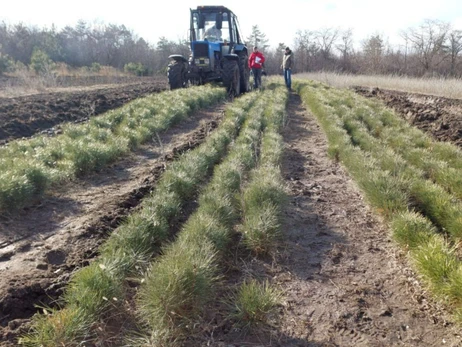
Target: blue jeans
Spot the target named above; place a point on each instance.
(288, 78)
(256, 78)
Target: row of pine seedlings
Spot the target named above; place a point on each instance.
(29, 167)
(180, 278)
(94, 291)
(413, 181)
(181, 282)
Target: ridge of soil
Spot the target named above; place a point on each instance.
(25, 116)
(438, 116)
(41, 246)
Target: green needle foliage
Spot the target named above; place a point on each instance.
(66, 327)
(254, 304)
(436, 261)
(264, 196)
(439, 206)
(29, 167)
(413, 181)
(131, 246)
(177, 286)
(411, 229)
(172, 298)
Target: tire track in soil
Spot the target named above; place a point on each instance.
(346, 283)
(63, 233)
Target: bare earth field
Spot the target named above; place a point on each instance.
(438, 116)
(25, 116)
(345, 282)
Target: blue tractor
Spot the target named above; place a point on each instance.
(218, 53)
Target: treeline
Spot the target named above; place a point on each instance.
(430, 49)
(86, 44)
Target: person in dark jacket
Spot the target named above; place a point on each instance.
(256, 61)
(287, 63)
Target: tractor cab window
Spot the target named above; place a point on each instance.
(210, 31)
(225, 28)
(236, 31)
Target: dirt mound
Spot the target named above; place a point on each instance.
(27, 115)
(438, 116)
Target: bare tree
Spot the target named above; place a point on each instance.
(428, 41)
(373, 53)
(345, 47)
(306, 50)
(454, 49)
(326, 39)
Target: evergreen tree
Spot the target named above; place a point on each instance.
(40, 62)
(257, 38)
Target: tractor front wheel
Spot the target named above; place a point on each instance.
(176, 73)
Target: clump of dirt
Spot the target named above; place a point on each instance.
(43, 113)
(438, 116)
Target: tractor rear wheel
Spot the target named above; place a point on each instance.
(244, 72)
(231, 78)
(176, 73)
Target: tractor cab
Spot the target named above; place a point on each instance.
(212, 26)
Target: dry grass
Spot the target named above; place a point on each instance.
(62, 79)
(445, 87)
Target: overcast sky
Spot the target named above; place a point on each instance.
(279, 20)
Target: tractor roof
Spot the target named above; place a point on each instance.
(214, 8)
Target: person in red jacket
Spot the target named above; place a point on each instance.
(256, 61)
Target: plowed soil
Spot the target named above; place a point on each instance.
(43, 113)
(345, 283)
(438, 116)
